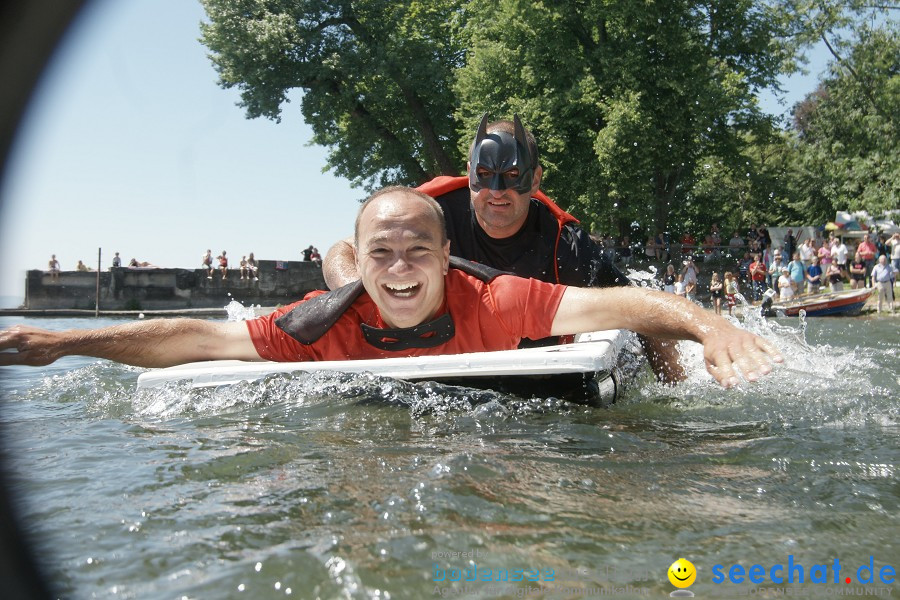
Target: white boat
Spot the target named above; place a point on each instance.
(589, 369)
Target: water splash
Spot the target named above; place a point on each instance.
(816, 384)
(108, 389)
(646, 279)
(238, 312)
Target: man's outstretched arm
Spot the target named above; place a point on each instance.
(659, 315)
(339, 266)
(155, 343)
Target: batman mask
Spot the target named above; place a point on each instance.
(497, 153)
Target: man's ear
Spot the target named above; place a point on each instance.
(536, 179)
(446, 251)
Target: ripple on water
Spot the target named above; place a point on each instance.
(344, 485)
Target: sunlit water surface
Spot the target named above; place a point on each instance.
(357, 486)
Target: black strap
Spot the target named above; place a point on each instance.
(425, 335)
(313, 318)
(482, 272)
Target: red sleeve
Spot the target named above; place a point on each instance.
(272, 343)
(526, 307)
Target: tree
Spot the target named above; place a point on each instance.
(758, 186)
(847, 129)
(625, 97)
(374, 74)
(643, 111)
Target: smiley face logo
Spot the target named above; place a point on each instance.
(682, 573)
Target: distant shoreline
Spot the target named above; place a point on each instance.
(137, 314)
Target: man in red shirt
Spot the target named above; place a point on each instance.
(413, 303)
(498, 216)
(867, 252)
(757, 271)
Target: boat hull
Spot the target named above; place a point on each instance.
(835, 304)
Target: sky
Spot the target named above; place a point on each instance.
(130, 145)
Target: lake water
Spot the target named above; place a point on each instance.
(337, 486)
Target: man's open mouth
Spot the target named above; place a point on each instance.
(402, 290)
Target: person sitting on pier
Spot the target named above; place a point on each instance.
(409, 301)
(223, 264)
(53, 268)
(244, 269)
(207, 264)
(252, 267)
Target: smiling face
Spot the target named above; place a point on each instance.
(501, 213)
(402, 257)
(504, 173)
(682, 573)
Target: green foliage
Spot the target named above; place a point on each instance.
(644, 111)
(848, 130)
(374, 74)
(755, 187)
(625, 97)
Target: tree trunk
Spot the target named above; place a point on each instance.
(666, 183)
(359, 112)
(432, 143)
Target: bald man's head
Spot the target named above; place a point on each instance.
(397, 191)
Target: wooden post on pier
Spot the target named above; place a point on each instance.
(97, 305)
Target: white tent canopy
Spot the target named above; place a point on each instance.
(801, 233)
(883, 225)
(887, 227)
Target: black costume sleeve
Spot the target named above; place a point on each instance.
(583, 263)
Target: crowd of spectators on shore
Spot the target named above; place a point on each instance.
(755, 263)
(752, 262)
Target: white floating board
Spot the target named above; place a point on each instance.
(597, 351)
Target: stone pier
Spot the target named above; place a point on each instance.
(124, 288)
